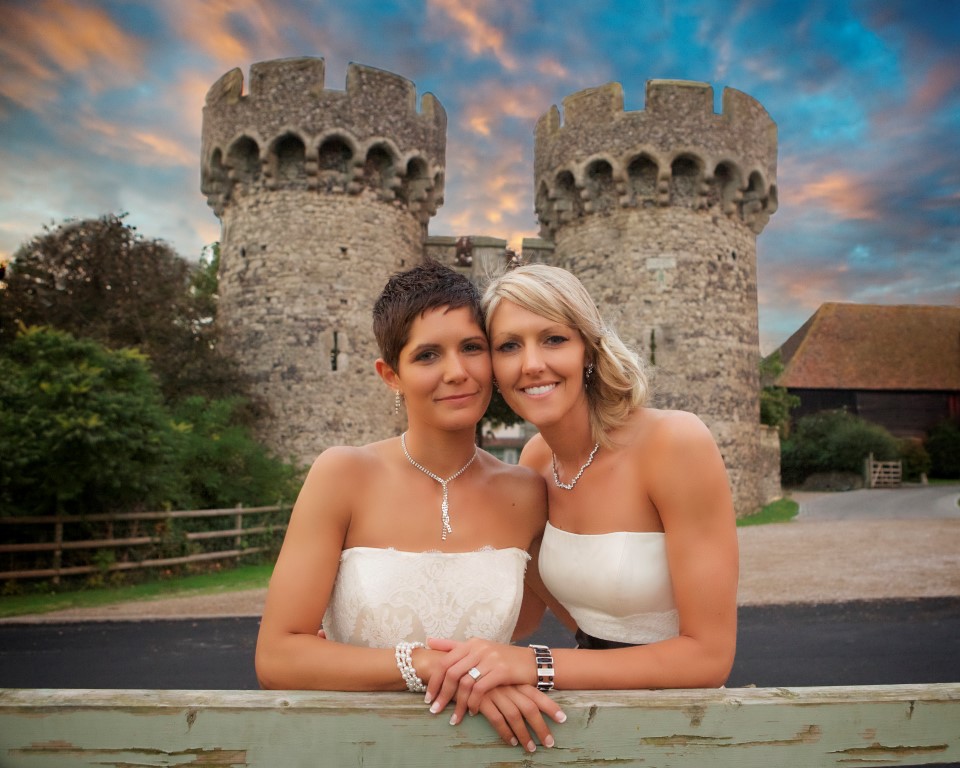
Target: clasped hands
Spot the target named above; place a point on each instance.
(496, 680)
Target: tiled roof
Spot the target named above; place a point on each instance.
(870, 346)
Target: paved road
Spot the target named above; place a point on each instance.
(910, 501)
(859, 643)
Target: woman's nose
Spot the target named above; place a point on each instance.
(532, 360)
(454, 369)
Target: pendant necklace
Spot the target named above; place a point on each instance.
(569, 486)
(444, 506)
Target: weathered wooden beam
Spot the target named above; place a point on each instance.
(900, 725)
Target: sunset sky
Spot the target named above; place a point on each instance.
(100, 112)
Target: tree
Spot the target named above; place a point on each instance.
(218, 462)
(775, 402)
(82, 428)
(100, 279)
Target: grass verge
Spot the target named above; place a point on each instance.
(227, 580)
(779, 511)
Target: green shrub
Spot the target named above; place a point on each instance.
(916, 460)
(943, 445)
(220, 464)
(833, 441)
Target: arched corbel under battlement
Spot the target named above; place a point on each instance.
(286, 164)
(243, 159)
(725, 187)
(643, 171)
(418, 189)
(336, 154)
(379, 168)
(602, 184)
(687, 180)
(565, 194)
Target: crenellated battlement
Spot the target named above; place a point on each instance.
(676, 151)
(290, 132)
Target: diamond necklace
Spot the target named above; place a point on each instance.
(569, 486)
(444, 506)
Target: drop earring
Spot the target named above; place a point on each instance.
(589, 371)
(495, 384)
(396, 402)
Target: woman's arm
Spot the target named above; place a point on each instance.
(289, 653)
(688, 484)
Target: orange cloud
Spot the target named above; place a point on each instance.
(150, 149)
(479, 34)
(842, 193)
(210, 26)
(494, 100)
(45, 40)
(552, 68)
(940, 81)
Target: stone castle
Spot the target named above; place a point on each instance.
(323, 194)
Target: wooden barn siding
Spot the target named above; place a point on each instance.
(904, 414)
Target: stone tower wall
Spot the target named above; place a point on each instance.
(657, 211)
(322, 196)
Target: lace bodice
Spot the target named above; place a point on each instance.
(616, 586)
(383, 596)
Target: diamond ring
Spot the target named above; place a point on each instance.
(474, 673)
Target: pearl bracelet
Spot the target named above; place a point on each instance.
(404, 656)
(545, 671)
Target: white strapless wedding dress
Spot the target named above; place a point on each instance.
(616, 586)
(385, 596)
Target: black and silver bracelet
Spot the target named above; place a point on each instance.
(544, 659)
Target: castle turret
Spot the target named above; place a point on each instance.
(657, 211)
(322, 196)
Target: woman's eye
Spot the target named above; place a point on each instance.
(474, 346)
(556, 339)
(507, 346)
(427, 355)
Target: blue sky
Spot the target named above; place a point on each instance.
(100, 111)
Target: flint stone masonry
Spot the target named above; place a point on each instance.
(324, 194)
(657, 211)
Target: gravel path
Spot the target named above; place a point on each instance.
(858, 545)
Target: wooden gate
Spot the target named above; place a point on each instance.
(883, 474)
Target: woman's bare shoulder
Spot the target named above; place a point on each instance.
(341, 467)
(670, 428)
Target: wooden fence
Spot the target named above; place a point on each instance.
(899, 725)
(139, 547)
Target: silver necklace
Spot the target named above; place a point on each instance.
(569, 486)
(444, 506)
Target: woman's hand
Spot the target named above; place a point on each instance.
(510, 709)
(496, 663)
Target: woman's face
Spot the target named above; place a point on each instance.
(444, 369)
(538, 364)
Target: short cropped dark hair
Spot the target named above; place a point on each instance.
(407, 295)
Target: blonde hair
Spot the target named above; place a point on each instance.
(619, 383)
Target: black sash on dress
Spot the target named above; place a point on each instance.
(591, 643)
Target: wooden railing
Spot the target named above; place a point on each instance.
(899, 725)
(59, 543)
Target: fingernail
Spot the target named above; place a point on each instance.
(531, 747)
(434, 709)
(514, 742)
(561, 717)
(548, 742)
(427, 699)
(453, 719)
